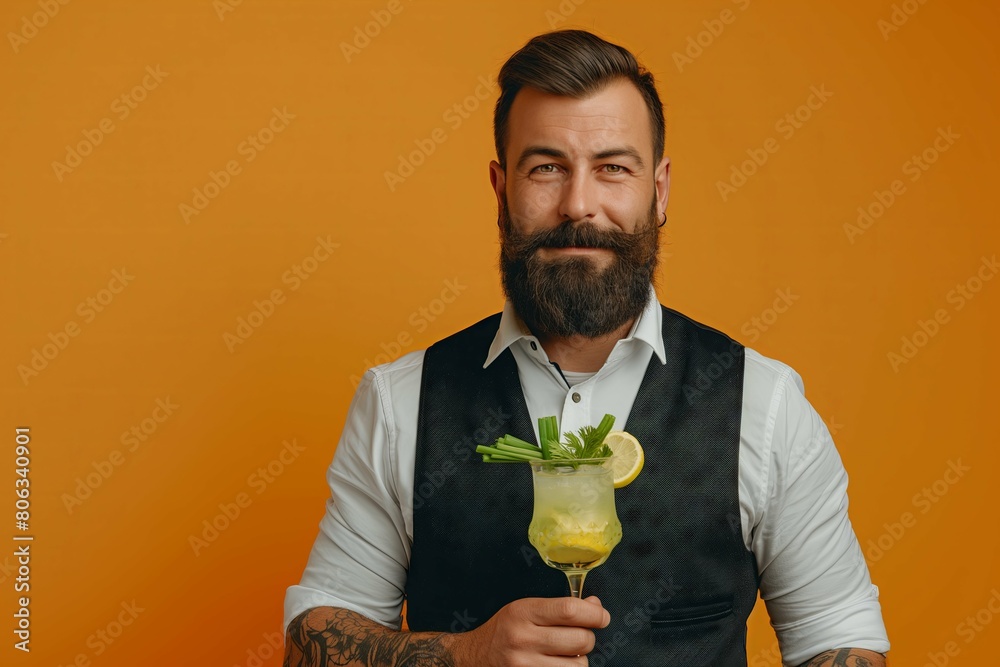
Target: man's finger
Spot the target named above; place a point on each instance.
(568, 611)
(565, 642)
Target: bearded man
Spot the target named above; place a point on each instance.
(742, 491)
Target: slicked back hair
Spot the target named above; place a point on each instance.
(572, 63)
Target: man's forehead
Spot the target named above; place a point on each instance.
(617, 109)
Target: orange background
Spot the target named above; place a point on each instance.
(62, 234)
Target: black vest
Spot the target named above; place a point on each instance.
(681, 583)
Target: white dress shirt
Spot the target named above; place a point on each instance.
(792, 489)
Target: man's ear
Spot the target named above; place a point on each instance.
(498, 179)
(661, 178)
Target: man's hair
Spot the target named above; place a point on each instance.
(572, 63)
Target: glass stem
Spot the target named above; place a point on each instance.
(576, 583)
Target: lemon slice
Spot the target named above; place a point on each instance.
(629, 457)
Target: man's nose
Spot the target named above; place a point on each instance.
(579, 197)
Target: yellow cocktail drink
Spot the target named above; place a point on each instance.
(574, 526)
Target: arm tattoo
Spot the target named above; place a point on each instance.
(846, 657)
(327, 637)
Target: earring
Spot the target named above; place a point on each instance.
(664, 221)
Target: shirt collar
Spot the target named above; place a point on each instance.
(648, 328)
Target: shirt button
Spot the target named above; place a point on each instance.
(576, 397)
(534, 346)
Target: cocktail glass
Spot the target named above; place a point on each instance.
(574, 526)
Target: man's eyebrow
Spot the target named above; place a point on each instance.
(532, 151)
(623, 151)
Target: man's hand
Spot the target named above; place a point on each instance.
(534, 632)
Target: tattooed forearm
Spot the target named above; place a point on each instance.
(325, 637)
(847, 657)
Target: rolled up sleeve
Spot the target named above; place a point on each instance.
(814, 579)
(358, 561)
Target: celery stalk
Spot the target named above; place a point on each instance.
(517, 442)
(519, 451)
(493, 451)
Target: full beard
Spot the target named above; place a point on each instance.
(572, 296)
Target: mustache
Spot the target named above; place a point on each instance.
(579, 235)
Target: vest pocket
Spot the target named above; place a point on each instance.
(692, 632)
(704, 613)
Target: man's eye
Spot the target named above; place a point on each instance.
(545, 169)
(614, 169)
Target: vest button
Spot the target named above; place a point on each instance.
(534, 346)
(576, 397)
